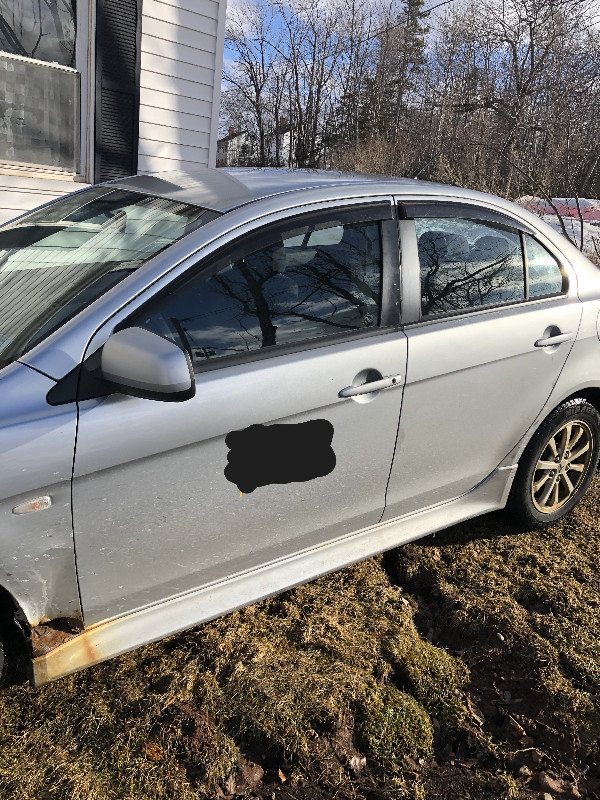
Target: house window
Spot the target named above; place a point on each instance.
(39, 85)
(44, 31)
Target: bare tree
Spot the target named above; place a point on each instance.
(500, 95)
(252, 33)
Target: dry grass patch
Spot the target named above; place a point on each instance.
(303, 679)
(523, 611)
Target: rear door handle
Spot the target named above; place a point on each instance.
(372, 386)
(550, 341)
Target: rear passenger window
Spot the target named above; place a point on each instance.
(468, 264)
(545, 276)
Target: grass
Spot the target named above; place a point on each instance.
(540, 591)
(439, 670)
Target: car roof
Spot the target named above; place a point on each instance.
(225, 189)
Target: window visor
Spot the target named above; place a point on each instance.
(429, 208)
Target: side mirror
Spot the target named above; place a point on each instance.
(144, 364)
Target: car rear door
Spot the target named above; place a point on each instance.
(268, 458)
(481, 299)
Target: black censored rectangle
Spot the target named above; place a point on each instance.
(265, 454)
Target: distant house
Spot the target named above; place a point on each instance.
(241, 148)
(98, 89)
(237, 149)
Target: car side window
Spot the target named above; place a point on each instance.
(545, 276)
(303, 282)
(468, 264)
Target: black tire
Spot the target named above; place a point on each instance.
(551, 478)
(13, 654)
(3, 664)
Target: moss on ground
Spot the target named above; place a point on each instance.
(393, 725)
(352, 685)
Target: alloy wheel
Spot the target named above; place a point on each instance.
(562, 466)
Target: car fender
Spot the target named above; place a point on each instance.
(37, 563)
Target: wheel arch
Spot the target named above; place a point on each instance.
(589, 393)
(10, 608)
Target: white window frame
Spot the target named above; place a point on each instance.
(84, 67)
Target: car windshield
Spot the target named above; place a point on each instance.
(59, 259)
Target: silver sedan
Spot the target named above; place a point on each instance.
(217, 386)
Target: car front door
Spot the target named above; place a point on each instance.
(282, 448)
(486, 297)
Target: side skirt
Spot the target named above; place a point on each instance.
(109, 639)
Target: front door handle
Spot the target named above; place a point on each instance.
(371, 386)
(550, 341)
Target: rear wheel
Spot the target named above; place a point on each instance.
(557, 465)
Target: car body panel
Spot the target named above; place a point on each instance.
(37, 443)
(108, 639)
(477, 378)
(580, 375)
(155, 515)
(472, 377)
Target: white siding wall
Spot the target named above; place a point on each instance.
(18, 195)
(180, 87)
(182, 57)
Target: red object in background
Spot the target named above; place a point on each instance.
(590, 209)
